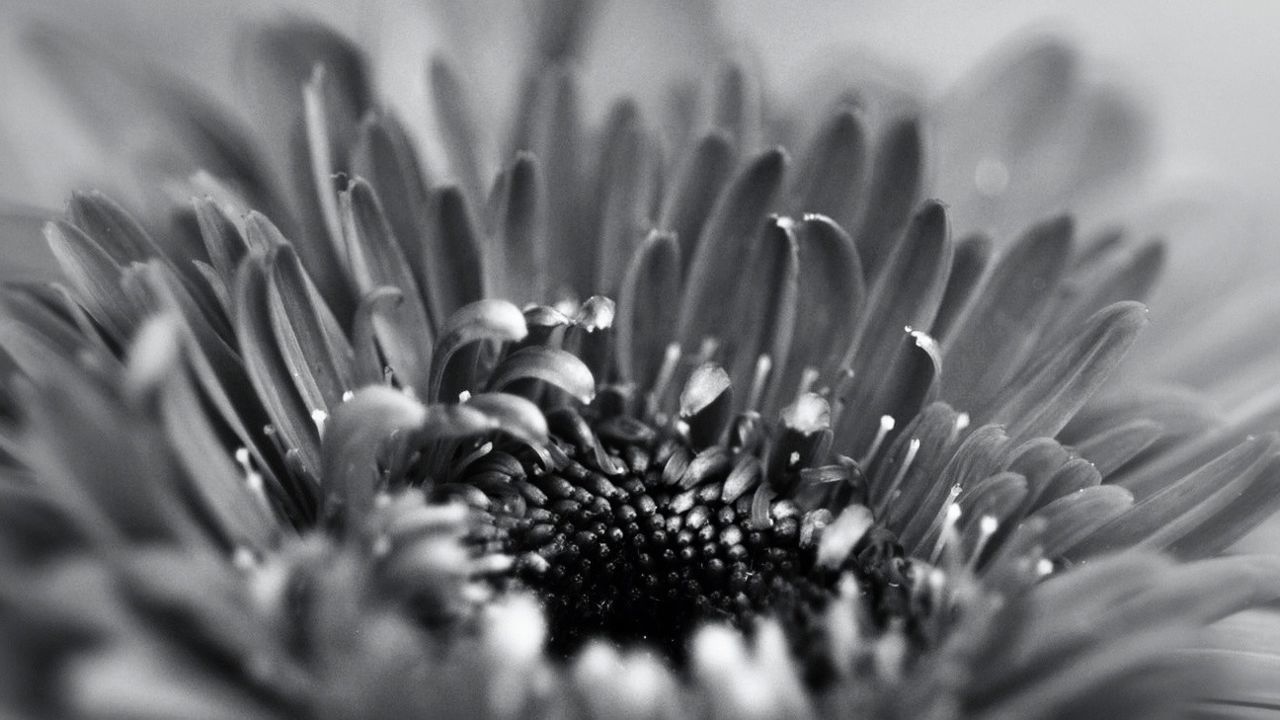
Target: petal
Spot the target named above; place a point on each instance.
(706, 403)
(557, 136)
(624, 184)
(310, 339)
(737, 105)
(550, 365)
(1001, 327)
(699, 182)
(828, 304)
(972, 256)
(1073, 517)
(454, 274)
(356, 437)
(484, 320)
(647, 308)
(901, 479)
(891, 193)
(240, 518)
(1043, 397)
(1164, 517)
(519, 231)
(385, 156)
(1111, 448)
(765, 311)
(268, 372)
(513, 415)
(376, 260)
(905, 297)
(828, 180)
(976, 459)
(728, 238)
(457, 126)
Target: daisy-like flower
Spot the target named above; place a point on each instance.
(661, 422)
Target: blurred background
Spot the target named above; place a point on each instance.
(1202, 75)
(1203, 71)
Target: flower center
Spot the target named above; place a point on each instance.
(630, 535)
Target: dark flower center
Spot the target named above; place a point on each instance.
(630, 536)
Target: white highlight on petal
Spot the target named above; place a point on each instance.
(759, 380)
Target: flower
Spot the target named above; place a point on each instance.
(334, 438)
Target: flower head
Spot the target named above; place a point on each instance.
(659, 422)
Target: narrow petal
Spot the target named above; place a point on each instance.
(519, 231)
(454, 273)
(356, 436)
(1111, 448)
(892, 193)
(513, 415)
(310, 339)
(1043, 397)
(1000, 329)
(1073, 517)
(290, 417)
(903, 299)
(377, 261)
(1165, 516)
(458, 126)
(829, 303)
(385, 156)
(729, 237)
(968, 268)
(700, 180)
(624, 182)
(648, 308)
(550, 365)
(491, 320)
(829, 178)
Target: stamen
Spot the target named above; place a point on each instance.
(947, 533)
(764, 364)
(670, 360)
(886, 425)
(347, 395)
(242, 558)
(252, 478)
(890, 492)
(807, 379)
(1044, 567)
(987, 527)
(464, 396)
(708, 350)
(844, 379)
(319, 417)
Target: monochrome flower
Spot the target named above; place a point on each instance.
(660, 422)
